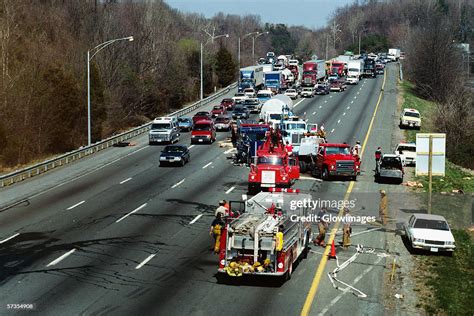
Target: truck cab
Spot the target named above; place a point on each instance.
(164, 130)
(336, 160)
(272, 167)
(203, 131)
(293, 130)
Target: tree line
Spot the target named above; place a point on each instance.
(43, 109)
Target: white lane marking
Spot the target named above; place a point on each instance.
(7, 239)
(86, 174)
(344, 114)
(355, 97)
(191, 146)
(230, 190)
(134, 211)
(348, 107)
(330, 96)
(366, 231)
(320, 106)
(314, 113)
(145, 261)
(207, 165)
(175, 185)
(312, 179)
(58, 260)
(75, 205)
(195, 219)
(352, 101)
(358, 92)
(347, 289)
(360, 88)
(244, 197)
(294, 106)
(126, 180)
(332, 131)
(228, 151)
(338, 121)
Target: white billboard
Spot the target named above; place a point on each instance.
(438, 154)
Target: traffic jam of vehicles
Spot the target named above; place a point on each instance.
(256, 236)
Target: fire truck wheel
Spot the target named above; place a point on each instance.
(303, 167)
(325, 174)
(306, 245)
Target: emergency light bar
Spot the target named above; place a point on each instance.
(284, 190)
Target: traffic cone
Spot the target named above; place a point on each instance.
(332, 254)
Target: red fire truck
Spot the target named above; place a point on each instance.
(272, 166)
(268, 237)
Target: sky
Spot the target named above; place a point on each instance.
(310, 13)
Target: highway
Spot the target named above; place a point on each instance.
(115, 233)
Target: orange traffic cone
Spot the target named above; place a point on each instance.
(332, 254)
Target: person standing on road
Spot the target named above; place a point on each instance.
(322, 227)
(216, 231)
(346, 229)
(383, 207)
(378, 156)
(221, 209)
(289, 148)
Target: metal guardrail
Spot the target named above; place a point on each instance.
(77, 154)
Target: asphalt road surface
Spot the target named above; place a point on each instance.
(117, 234)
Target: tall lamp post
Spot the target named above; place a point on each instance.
(212, 38)
(241, 39)
(253, 43)
(94, 52)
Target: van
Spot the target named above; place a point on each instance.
(203, 131)
(164, 130)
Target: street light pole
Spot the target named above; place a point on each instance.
(95, 50)
(253, 43)
(212, 38)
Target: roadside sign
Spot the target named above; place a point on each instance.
(438, 154)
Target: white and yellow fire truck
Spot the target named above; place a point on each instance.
(268, 237)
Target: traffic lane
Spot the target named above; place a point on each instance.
(101, 209)
(148, 229)
(50, 180)
(367, 272)
(120, 174)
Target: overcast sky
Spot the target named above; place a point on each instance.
(310, 13)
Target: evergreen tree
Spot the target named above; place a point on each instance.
(225, 67)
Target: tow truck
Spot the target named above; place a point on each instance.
(250, 136)
(268, 237)
(272, 167)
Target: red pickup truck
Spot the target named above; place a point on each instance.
(336, 160)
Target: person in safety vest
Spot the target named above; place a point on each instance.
(216, 231)
(322, 227)
(346, 229)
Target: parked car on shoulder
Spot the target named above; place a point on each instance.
(390, 169)
(407, 152)
(410, 118)
(222, 123)
(291, 93)
(174, 154)
(429, 232)
(185, 123)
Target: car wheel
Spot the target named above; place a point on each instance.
(182, 162)
(289, 272)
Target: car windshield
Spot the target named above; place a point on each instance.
(251, 102)
(184, 120)
(307, 89)
(290, 126)
(407, 148)
(412, 114)
(264, 95)
(272, 81)
(391, 163)
(290, 91)
(239, 109)
(337, 150)
(226, 100)
(431, 224)
(308, 72)
(217, 107)
(202, 127)
(174, 149)
(201, 114)
(353, 69)
(160, 126)
(270, 160)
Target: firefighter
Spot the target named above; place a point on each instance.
(383, 207)
(221, 209)
(322, 133)
(234, 134)
(289, 148)
(346, 229)
(322, 227)
(273, 139)
(378, 156)
(356, 149)
(216, 231)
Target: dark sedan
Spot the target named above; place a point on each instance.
(240, 112)
(174, 154)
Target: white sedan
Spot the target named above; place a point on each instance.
(429, 232)
(291, 93)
